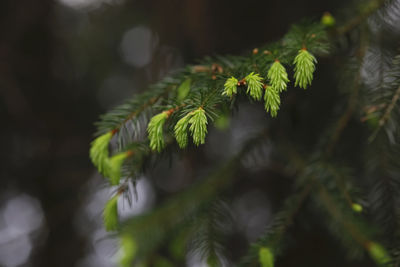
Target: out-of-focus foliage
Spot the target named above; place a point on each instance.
(341, 158)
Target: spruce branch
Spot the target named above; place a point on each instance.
(383, 170)
(192, 88)
(343, 218)
(275, 232)
(114, 120)
(208, 233)
(342, 180)
(151, 228)
(377, 252)
(200, 96)
(201, 92)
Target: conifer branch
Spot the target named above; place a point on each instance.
(117, 118)
(194, 99)
(340, 182)
(376, 251)
(150, 229)
(274, 234)
(186, 103)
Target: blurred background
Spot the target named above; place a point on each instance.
(65, 62)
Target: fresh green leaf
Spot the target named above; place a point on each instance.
(99, 152)
(110, 214)
(155, 131)
(278, 76)
(254, 86)
(198, 126)
(272, 100)
(222, 122)
(180, 130)
(304, 68)
(128, 250)
(184, 89)
(115, 164)
(378, 254)
(357, 207)
(230, 87)
(328, 20)
(266, 257)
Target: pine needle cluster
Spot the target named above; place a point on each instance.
(177, 113)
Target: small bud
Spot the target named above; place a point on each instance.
(180, 130)
(278, 76)
(328, 20)
(198, 126)
(254, 86)
(183, 89)
(230, 86)
(272, 100)
(99, 152)
(127, 251)
(155, 131)
(110, 214)
(378, 253)
(255, 51)
(115, 163)
(222, 122)
(216, 68)
(266, 257)
(357, 207)
(304, 68)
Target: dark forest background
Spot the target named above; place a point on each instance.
(62, 64)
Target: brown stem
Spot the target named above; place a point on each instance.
(366, 11)
(136, 112)
(387, 114)
(345, 118)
